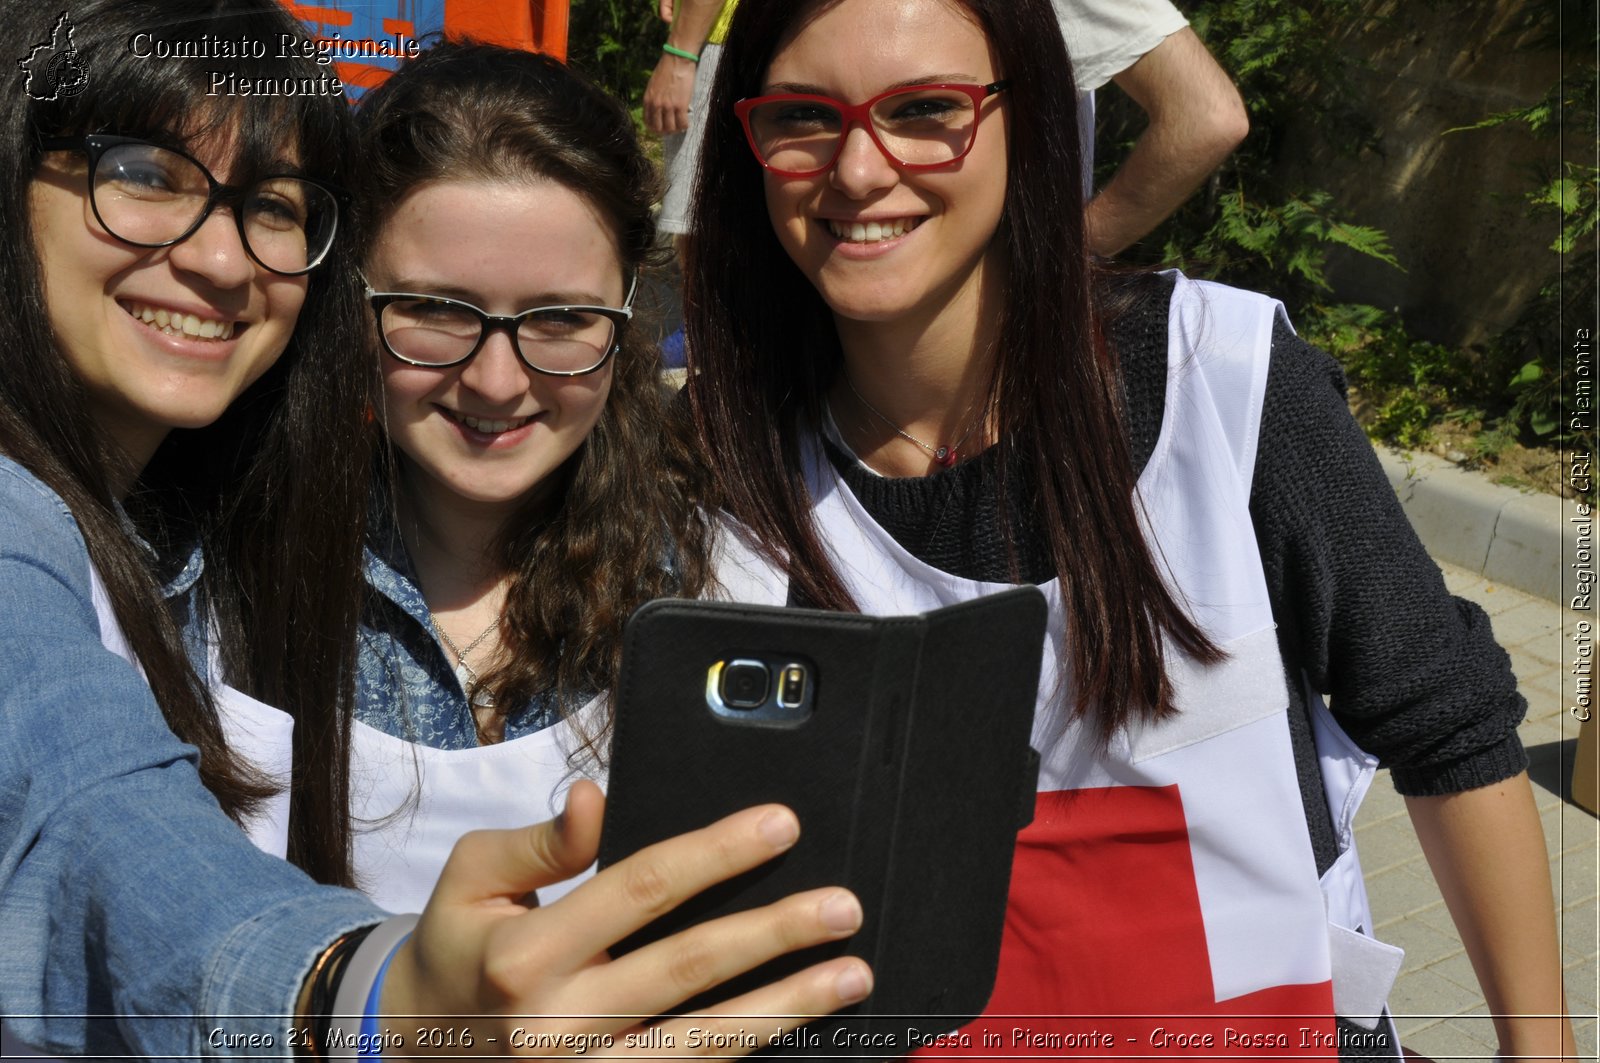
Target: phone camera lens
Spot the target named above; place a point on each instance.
(745, 684)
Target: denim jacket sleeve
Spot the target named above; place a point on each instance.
(125, 893)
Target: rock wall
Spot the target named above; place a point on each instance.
(1452, 203)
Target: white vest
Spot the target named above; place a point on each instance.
(1171, 873)
(412, 802)
(261, 734)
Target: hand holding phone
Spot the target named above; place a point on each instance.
(480, 949)
(901, 743)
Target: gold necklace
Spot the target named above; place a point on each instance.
(946, 455)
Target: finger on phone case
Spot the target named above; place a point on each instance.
(760, 1018)
(662, 975)
(658, 878)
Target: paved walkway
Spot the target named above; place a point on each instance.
(1436, 1002)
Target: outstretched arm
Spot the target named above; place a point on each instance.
(1487, 853)
(1196, 119)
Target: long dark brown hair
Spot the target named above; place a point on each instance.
(763, 351)
(630, 496)
(273, 492)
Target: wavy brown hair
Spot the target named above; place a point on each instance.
(274, 491)
(763, 351)
(630, 497)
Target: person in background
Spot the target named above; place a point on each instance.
(675, 97)
(1195, 114)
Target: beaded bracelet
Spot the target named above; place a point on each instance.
(680, 53)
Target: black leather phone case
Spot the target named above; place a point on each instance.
(911, 777)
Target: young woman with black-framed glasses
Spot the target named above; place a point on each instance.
(185, 460)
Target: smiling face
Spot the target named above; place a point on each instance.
(879, 242)
(492, 430)
(161, 338)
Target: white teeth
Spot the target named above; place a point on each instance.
(873, 231)
(174, 323)
(478, 424)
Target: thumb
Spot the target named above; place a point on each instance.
(510, 864)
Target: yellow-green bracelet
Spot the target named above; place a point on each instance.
(680, 53)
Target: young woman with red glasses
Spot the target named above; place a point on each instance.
(921, 389)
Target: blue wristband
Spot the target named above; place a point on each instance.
(370, 1034)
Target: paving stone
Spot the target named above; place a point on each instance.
(1424, 945)
(1575, 878)
(1585, 1034)
(1447, 1041)
(1464, 583)
(1457, 968)
(1437, 916)
(1569, 828)
(1386, 844)
(1415, 1026)
(1542, 688)
(1566, 827)
(1583, 985)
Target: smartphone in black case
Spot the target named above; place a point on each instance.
(902, 745)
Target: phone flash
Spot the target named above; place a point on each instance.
(792, 687)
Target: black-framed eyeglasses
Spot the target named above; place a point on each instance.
(438, 333)
(150, 196)
(920, 127)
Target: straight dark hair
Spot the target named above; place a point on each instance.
(274, 491)
(763, 351)
(630, 496)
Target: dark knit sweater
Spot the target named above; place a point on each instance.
(1413, 674)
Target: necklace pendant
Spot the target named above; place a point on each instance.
(945, 456)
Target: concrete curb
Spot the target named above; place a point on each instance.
(1520, 540)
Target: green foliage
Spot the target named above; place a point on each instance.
(1407, 385)
(617, 42)
(1563, 195)
(1250, 227)
(1278, 240)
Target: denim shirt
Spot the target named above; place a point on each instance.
(406, 684)
(125, 892)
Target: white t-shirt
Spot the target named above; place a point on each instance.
(1104, 38)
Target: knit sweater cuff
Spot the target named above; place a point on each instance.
(1492, 765)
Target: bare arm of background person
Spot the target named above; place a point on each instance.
(666, 97)
(1196, 119)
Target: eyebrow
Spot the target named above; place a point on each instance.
(463, 295)
(804, 89)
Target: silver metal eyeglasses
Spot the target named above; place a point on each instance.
(150, 196)
(438, 333)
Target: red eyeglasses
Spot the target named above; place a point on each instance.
(920, 127)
